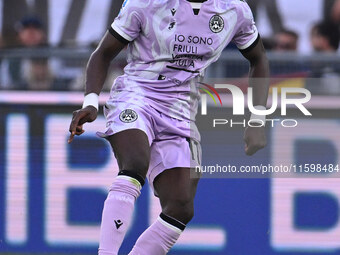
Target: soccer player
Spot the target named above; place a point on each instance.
(151, 111)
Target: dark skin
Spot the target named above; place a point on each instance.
(175, 188)
(254, 137)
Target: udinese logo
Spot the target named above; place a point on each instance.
(128, 116)
(216, 23)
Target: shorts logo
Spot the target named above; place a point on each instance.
(128, 116)
(216, 23)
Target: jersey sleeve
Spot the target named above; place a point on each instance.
(246, 32)
(127, 25)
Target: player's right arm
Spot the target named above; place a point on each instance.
(96, 73)
(99, 63)
(125, 28)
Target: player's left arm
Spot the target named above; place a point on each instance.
(254, 137)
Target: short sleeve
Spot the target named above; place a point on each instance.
(246, 33)
(127, 25)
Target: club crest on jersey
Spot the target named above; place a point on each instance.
(128, 116)
(216, 23)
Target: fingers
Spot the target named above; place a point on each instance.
(76, 126)
(79, 131)
(77, 115)
(248, 148)
(251, 149)
(86, 118)
(255, 140)
(70, 139)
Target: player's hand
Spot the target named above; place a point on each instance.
(81, 116)
(255, 139)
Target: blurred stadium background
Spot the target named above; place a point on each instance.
(51, 193)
